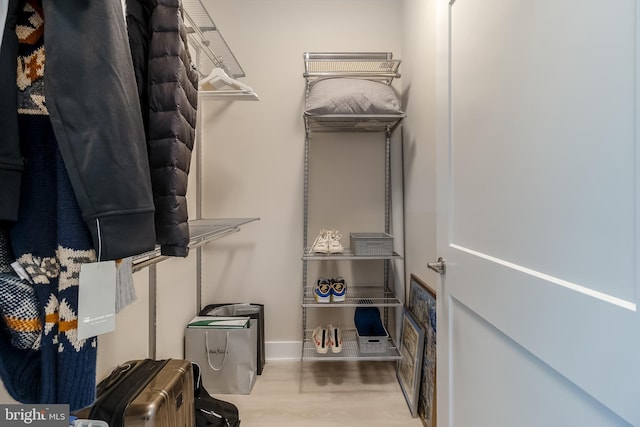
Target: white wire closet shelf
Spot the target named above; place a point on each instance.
(356, 296)
(350, 350)
(379, 66)
(347, 254)
(201, 231)
(212, 54)
(375, 66)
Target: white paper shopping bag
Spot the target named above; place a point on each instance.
(226, 355)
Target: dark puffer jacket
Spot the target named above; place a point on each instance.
(167, 87)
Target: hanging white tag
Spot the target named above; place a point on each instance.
(97, 299)
(21, 272)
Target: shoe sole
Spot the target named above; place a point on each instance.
(321, 350)
(323, 300)
(338, 299)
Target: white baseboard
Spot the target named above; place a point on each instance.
(282, 350)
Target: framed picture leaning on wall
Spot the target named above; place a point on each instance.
(410, 366)
(422, 304)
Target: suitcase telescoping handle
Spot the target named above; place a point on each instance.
(224, 358)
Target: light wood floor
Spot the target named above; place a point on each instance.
(318, 394)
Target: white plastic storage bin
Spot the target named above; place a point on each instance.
(373, 343)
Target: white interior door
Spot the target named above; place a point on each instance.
(538, 213)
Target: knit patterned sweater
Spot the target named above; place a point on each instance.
(41, 358)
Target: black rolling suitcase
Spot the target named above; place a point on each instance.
(146, 393)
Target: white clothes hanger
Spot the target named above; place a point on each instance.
(219, 84)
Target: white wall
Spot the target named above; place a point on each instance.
(419, 85)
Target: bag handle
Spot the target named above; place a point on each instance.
(226, 346)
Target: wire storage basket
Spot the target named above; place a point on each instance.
(372, 343)
(371, 244)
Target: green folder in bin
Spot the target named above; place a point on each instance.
(219, 322)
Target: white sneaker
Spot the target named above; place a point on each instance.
(321, 244)
(335, 247)
(335, 338)
(320, 337)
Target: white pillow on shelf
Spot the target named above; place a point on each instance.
(351, 96)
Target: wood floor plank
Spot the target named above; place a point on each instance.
(319, 394)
